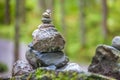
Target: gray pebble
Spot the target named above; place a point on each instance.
(116, 42)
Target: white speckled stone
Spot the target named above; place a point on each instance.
(72, 67)
(21, 67)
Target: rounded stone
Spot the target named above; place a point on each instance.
(46, 15)
(53, 58)
(32, 59)
(47, 40)
(46, 20)
(116, 42)
(21, 67)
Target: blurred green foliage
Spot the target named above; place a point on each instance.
(2, 11)
(3, 67)
(73, 47)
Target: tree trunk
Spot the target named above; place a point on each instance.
(82, 23)
(17, 25)
(63, 22)
(42, 4)
(22, 10)
(50, 4)
(104, 18)
(62, 2)
(7, 11)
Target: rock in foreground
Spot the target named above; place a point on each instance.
(21, 67)
(106, 61)
(41, 74)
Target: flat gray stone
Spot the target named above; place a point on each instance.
(53, 58)
(38, 59)
(106, 61)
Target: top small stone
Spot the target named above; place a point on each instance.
(116, 42)
(47, 14)
(46, 17)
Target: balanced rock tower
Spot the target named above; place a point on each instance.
(46, 48)
(45, 51)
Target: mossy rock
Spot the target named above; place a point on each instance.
(42, 74)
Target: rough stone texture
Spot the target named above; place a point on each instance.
(42, 74)
(106, 61)
(72, 67)
(116, 42)
(47, 40)
(37, 59)
(21, 67)
(53, 58)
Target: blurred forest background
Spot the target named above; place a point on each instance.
(84, 23)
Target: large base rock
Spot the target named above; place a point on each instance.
(38, 59)
(106, 61)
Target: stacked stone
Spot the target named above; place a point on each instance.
(47, 45)
(45, 51)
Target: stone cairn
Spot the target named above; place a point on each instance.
(45, 50)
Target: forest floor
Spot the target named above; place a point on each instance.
(7, 55)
